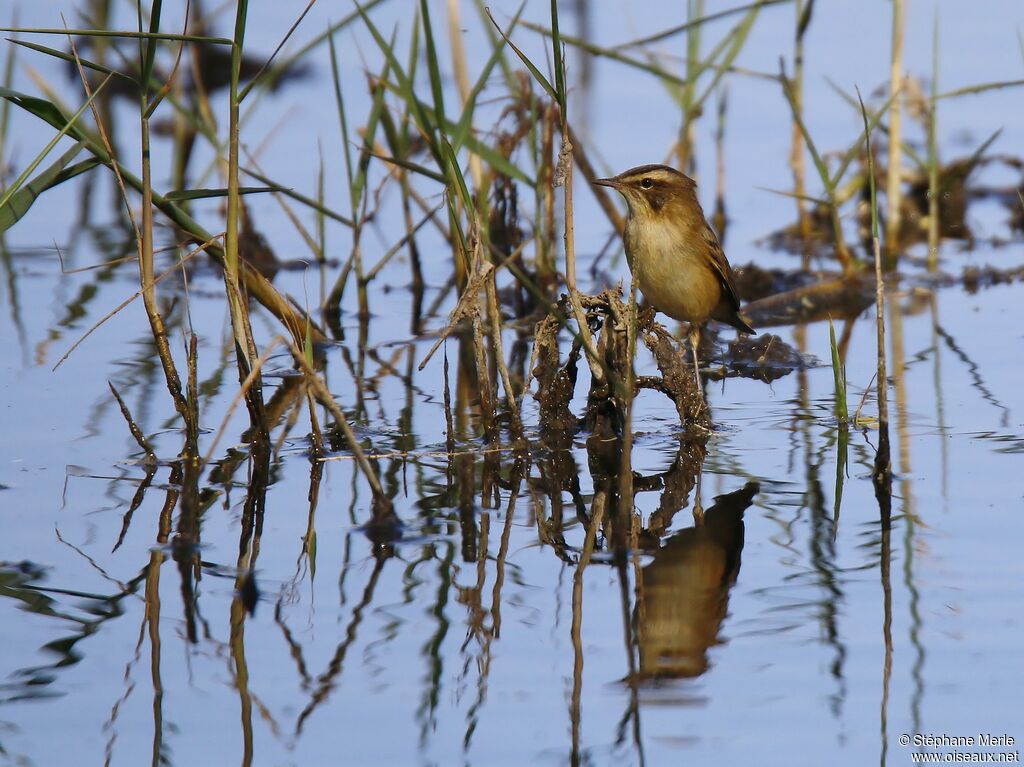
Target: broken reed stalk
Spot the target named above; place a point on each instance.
(485, 390)
(893, 189)
(494, 313)
(192, 397)
(137, 434)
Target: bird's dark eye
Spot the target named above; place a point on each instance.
(646, 183)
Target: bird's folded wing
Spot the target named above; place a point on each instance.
(721, 267)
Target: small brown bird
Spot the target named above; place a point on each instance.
(673, 254)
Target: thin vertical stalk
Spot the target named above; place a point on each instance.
(893, 192)
(933, 154)
(882, 477)
(494, 313)
(461, 71)
(797, 160)
(564, 175)
(596, 370)
(546, 269)
(687, 162)
(718, 218)
(145, 234)
(245, 347)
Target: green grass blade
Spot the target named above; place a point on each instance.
(148, 45)
(487, 153)
(377, 111)
(433, 67)
(819, 164)
(309, 202)
(854, 149)
(340, 101)
(412, 167)
(47, 111)
(119, 34)
(540, 78)
(405, 89)
(5, 108)
(794, 195)
(970, 90)
(556, 47)
(265, 67)
(458, 135)
(63, 55)
(66, 129)
(17, 203)
(202, 194)
(458, 178)
(650, 66)
(871, 167)
(737, 38)
(698, 22)
(839, 377)
(319, 40)
(908, 149)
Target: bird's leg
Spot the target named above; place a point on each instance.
(698, 507)
(694, 343)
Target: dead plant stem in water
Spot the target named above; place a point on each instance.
(565, 172)
(882, 477)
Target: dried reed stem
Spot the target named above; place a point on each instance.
(893, 191)
(883, 461)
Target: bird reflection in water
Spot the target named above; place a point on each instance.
(684, 591)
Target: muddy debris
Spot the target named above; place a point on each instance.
(556, 383)
(607, 316)
(676, 381)
(765, 357)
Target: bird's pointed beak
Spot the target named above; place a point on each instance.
(613, 183)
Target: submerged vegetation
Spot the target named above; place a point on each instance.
(525, 315)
